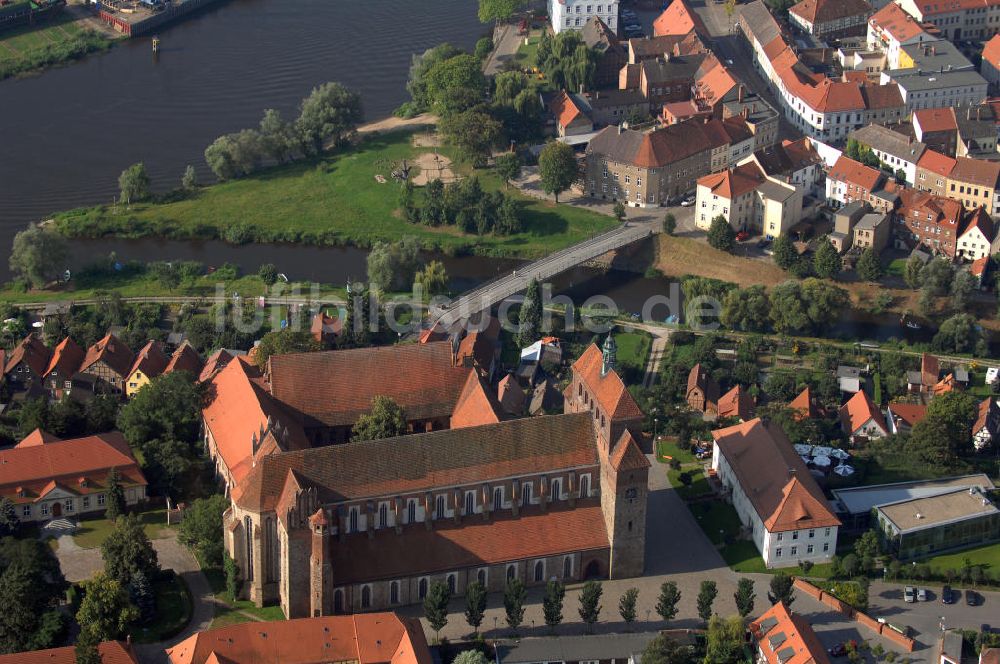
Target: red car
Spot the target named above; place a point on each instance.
(742, 235)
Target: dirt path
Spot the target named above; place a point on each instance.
(393, 123)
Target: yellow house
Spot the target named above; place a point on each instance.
(149, 363)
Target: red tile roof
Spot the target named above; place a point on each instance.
(335, 387)
(848, 171)
(472, 543)
(185, 358)
(734, 182)
(420, 462)
(909, 413)
(930, 368)
(976, 171)
(936, 162)
(564, 108)
(798, 643)
(112, 652)
(112, 352)
(37, 437)
(32, 352)
(150, 360)
(216, 362)
(858, 410)
(936, 119)
(979, 219)
(978, 267)
(36, 468)
(773, 477)
(366, 638)
(894, 20)
(806, 406)
(737, 402)
(475, 406)
(991, 52)
(699, 378)
(824, 11)
(608, 390)
(678, 19)
(627, 455)
(950, 6)
(66, 359)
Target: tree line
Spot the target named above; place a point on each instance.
(463, 204)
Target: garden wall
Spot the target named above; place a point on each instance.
(851, 613)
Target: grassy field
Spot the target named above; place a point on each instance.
(333, 200)
(680, 256)
(92, 532)
(988, 556)
(669, 448)
(35, 46)
(633, 349)
(229, 612)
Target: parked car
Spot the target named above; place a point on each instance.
(633, 27)
(742, 236)
(972, 598)
(909, 594)
(687, 202)
(921, 594)
(947, 595)
(840, 649)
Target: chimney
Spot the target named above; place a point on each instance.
(739, 94)
(619, 130)
(968, 113)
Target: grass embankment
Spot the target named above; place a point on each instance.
(333, 200)
(34, 47)
(231, 612)
(92, 532)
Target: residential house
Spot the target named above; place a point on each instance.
(570, 118)
(775, 496)
(890, 29)
(980, 269)
(679, 18)
(760, 117)
(898, 152)
(934, 73)
(111, 652)
(702, 391)
(928, 221)
(937, 129)
(960, 19)
(612, 54)
(850, 181)
(990, 65)
(26, 363)
(872, 231)
(977, 238)
(748, 200)
(321, 530)
(106, 366)
(47, 478)
(149, 363)
(806, 405)
(831, 19)
(924, 380)
(977, 131)
(844, 220)
(651, 48)
(325, 329)
(574, 14)
(933, 170)
(902, 417)
(664, 80)
(612, 107)
(185, 358)
(973, 182)
(987, 424)
(216, 362)
(65, 362)
(785, 638)
(861, 420)
(792, 162)
(736, 403)
(367, 638)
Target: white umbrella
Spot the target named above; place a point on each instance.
(840, 454)
(805, 458)
(821, 460)
(822, 451)
(844, 470)
(801, 448)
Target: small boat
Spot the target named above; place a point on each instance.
(912, 325)
(908, 322)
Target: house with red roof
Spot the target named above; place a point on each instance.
(105, 367)
(111, 652)
(702, 393)
(987, 424)
(48, 478)
(785, 511)
(977, 238)
(937, 128)
(990, 66)
(185, 358)
(928, 221)
(831, 19)
(861, 419)
(891, 28)
(957, 19)
(26, 364)
(149, 363)
(902, 417)
(783, 637)
(570, 117)
(736, 403)
(806, 405)
(850, 181)
(679, 19)
(748, 200)
(369, 638)
(469, 494)
(63, 365)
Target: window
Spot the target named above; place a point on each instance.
(511, 572)
(567, 567)
(394, 592)
(526, 494)
(422, 588)
(809, 549)
(68, 504)
(439, 507)
(481, 576)
(826, 547)
(795, 534)
(777, 552)
(585, 486)
(812, 533)
(826, 533)
(352, 521)
(795, 550)
(86, 502)
(556, 489)
(451, 583)
(539, 570)
(383, 515)
(26, 510)
(100, 499)
(781, 536)
(497, 499)
(411, 511)
(366, 597)
(470, 502)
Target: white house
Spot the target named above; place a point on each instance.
(573, 14)
(748, 200)
(987, 425)
(976, 240)
(861, 420)
(780, 505)
(890, 29)
(895, 150)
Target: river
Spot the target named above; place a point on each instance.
(67, 133)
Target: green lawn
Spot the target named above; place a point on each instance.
(228, 612)
(334, 200)
(92, 532)
(633, 349)
(742, 556)
(718, 519)
(988, 556)
(699, 483)
(896, 267)
(173, 610)
(669, 448)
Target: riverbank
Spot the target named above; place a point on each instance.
(33, 48)
(346, 197)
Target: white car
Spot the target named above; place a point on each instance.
(687, 202)
(909, 594)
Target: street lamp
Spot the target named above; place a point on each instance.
(494, 623)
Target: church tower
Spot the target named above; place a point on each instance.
(320, 567)
(609, 355)
(624, 491)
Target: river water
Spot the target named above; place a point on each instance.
(66, 134)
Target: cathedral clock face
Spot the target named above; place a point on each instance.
(630, 494)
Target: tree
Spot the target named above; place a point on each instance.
(530, 316)
(219, 157)
(268, 273)
(189, 181)
(85, 650)
(127, 551)
(912, 272)
(38, 254)
(284, 342)
(744, 596)
(393, 266)
(557, 168)
(329, 113)
(869, 267)
(724, 640)
(785, 254)
(26, 619)
(590, 603)
(498, 10)
(169, 406)
(867, 546)
(962, 288)
(706, 597)
(232, 573)
(945, 433)
(746, 310)
(627, 604)
(460, 77)
(721, 235)
(826, 261)
(473, 132)
(436, 606)
(850, 564)
(475, 604)
(134, 183)
(9, 523)
(781, 589)
(420, 66)
(484, 47)
(433, 278)
(959, 334)
(669, 223)
(619, 211)
(386, 419)
(105, 611)
(140, 593)
(552, 604)
(936, 276)
(810, 305)
(513, 603)
(114, 496)
(470, 657)
(666, 604)
(508, 167)
(276, 137)
(201, 528)
(664, 650)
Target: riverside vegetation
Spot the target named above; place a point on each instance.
(31, 48)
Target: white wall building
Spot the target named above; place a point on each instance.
(573, 14)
